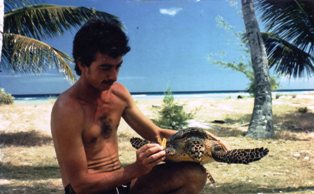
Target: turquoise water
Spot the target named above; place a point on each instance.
(180, 96)
(211, 95)
(33, 100)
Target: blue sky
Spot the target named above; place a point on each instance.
(171, 41)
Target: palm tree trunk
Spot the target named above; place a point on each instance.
(1, 26)
(261, 125)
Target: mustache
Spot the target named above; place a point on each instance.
(108, 82)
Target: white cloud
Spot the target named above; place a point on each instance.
(170, 11)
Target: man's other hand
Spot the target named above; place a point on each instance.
(149, 156)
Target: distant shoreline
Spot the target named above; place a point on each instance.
(173, 92)
(213, 93)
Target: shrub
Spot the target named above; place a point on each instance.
(5, 98)
(171, 115)
(303, 110)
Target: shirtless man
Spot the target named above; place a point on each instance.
(85, 119)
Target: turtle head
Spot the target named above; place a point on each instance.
(176, 154)
(195, 148)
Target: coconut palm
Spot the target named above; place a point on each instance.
(290, 38)
(25, 26)
(261, 125)
(1, 24)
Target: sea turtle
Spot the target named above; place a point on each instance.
(197, 145)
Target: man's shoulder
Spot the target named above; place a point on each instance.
(67, 103)
(120, 87)
(120, 91)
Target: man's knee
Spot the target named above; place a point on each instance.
(195, 171)
(195, 175)
(182, 177)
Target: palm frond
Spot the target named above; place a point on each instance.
(291, 20)
(13, 4)
(24, 54)
(32, 20)
(286, 58)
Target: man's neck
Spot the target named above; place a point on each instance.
(86, 92)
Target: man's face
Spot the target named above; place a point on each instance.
(103, 71)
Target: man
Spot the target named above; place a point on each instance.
(85, 119)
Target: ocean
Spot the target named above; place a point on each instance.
(38, 98)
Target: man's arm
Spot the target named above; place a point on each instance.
(67, 125)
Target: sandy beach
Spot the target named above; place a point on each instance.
(32, 168)
(35, 115)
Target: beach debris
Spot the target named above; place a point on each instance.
(198, 124)
(219, 121)
(304, 155)
(239, 97)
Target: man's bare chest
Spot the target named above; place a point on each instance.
(101, 122)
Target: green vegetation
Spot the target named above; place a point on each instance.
(289, 36)
(243, 65)
(27, 24)
(303, 110)
(5, 98)
(171, 114)
(246, 69)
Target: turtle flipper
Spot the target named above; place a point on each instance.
(138, 142)
(240, 156)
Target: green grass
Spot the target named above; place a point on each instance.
(281, 170)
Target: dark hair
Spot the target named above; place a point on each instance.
(97, 35)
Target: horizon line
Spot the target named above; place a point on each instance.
(173, 92)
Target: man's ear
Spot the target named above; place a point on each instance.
(81, 67)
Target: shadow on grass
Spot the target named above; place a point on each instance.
(28, 139)
(254, 188)
(35, 189)
(28, 172)
(228, 188)
(225, 131)
(294, 122)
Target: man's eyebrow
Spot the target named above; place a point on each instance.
(111, 65)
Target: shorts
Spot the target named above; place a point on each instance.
(122, 189)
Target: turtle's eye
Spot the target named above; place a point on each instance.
(170, 151)
(217, 148)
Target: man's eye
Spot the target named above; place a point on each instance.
(105, 68)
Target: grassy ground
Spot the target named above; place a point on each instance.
(28, 163)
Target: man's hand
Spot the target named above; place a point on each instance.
(149, 156)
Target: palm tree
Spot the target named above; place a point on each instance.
(25, 26)
(1, 24)
(261, 125)
(289, 39)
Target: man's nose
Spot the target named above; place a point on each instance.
(114, 74)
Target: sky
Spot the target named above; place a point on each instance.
(173, 45)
